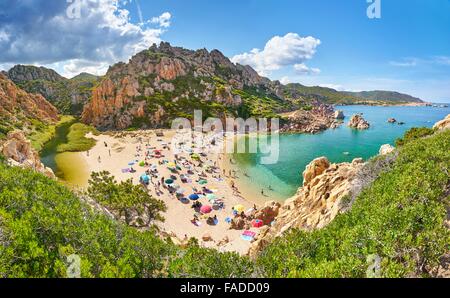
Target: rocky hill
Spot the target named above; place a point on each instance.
(388, 96)
(165, 82)
(332, 96)
(19, 109)
(68, 95)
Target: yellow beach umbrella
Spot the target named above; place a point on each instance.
(239, 208)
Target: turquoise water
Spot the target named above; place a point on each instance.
(281, 180)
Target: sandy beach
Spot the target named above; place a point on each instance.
(119, 152)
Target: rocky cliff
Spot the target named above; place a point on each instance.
(443, 124)
(18, 152)
(358, 122)
(19, 109)
(322, 196)
(68, 95)
(317, 119)
(165, 82)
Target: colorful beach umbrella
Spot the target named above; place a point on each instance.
(257, 223)
(194, 197)
(169, 181)
(203, 182)
(145, 178)
(239, 208)
(206, 209)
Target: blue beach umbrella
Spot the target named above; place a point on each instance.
(194, 197)
(145, 178)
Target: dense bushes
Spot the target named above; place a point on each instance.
(414, 134)
(125, 199)
(42, 223)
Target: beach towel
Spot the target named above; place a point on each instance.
(248, 235)
(125, 171)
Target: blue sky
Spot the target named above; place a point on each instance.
(406, 50)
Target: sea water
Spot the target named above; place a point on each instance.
(282, 179)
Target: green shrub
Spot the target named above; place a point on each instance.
(42, 223)
(414, 134)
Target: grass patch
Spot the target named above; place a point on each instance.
(76, 139)
(44, 133)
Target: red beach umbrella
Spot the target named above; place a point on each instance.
(205, 209)
(257, 223)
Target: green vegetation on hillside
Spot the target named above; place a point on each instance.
(399, 218)
(414, 134)
(257, 103)
(43, 133)
(332, 96)
(126, 199)
(67, 95)
(387, 96)
(42, 223)
(76, 139)
(316, 93)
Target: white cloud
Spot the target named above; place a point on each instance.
(285, 80)
(444, 60)
(40, 32)
(413, 61)
(303, 69)
(76, 66)
(163, 20)
(406, 62)
(333, 86)
(279, 52)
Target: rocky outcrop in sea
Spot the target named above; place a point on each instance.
(358, 122)
(321, 117)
